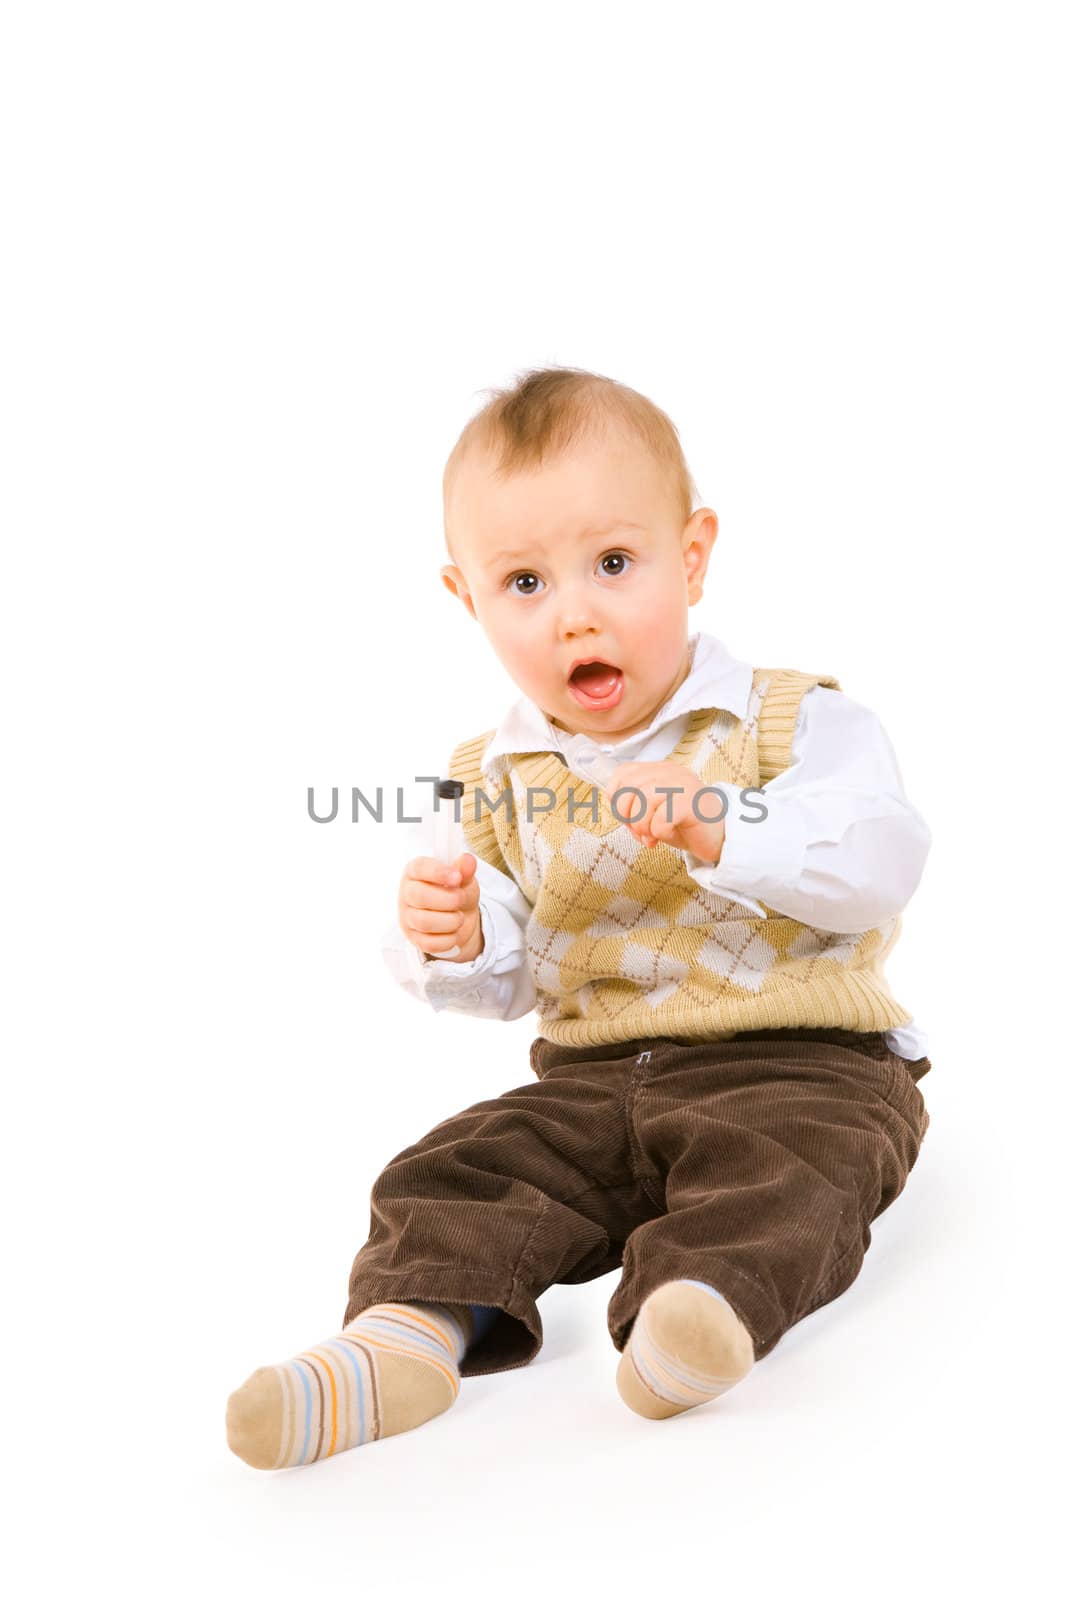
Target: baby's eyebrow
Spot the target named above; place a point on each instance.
(499, 557)
(502, 557)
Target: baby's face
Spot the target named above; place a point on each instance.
(583, 557)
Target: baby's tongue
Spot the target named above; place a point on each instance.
(597, 679)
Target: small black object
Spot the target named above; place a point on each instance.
(448, 788)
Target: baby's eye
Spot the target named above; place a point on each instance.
(616, 555)
(519, 577)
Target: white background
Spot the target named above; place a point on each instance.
(260, 260)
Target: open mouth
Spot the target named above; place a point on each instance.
(596, 685)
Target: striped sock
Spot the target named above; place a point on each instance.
(686, 1347)
(392, 1367)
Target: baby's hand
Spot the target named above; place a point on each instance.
(437, 908)
(686, 830)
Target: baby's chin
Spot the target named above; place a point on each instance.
(604, 728)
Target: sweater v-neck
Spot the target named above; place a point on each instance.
(541, 769)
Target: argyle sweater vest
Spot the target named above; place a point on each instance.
(622, 942)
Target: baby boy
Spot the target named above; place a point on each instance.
(693, 870)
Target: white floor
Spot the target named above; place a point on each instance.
(883, 1448)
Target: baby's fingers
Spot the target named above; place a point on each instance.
(628, 804)
(427, 869)
(420, 921)
(428, 896)
(466, 865)
(433, 944)
(468, 896)
(634, 810)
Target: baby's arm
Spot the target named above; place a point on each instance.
(841, 848)
(497, 983)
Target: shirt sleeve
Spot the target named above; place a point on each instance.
(840, 848)
(497, 984)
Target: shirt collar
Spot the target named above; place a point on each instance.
(715, 679)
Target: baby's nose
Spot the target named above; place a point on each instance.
(577, 617)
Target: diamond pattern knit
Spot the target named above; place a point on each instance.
(621, 941)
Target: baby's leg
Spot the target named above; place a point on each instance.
(468, 1227)
(774, 1151)
(527, 1189)
(391, 1368)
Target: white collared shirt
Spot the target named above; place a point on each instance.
(840, 849)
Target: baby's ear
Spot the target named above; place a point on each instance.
(454, 582)
(698, 537)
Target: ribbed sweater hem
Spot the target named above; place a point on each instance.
(854, 1003)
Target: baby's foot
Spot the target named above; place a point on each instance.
(687, 1346)
(393, 1366)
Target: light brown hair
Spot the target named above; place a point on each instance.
(548, 408)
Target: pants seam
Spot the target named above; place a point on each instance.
(826, 1282)
(635, 1088)
(900, 1089)
(542, 1206)
(596, 1188)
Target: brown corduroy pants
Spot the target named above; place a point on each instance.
(755, 1164)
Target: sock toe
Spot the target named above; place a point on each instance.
(253, 1419)
(701, 1330)
(687, 1347)
(394, 1366)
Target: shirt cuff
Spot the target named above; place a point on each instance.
(454, 978)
